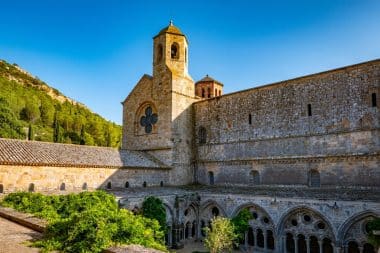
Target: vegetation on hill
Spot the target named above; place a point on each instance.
(86, 222)
(30, 109)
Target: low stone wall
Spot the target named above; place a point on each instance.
(49, 178)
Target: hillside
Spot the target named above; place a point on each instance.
(31, 109)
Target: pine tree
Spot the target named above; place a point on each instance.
(56, 135)
(31, 133)
(82, 136)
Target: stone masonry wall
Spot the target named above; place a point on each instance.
(46, 178)
(342, 132)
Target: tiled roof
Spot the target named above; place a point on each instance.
(18, 152)
(208, 78)
(171, 29)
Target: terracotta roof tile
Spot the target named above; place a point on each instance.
(18, 152)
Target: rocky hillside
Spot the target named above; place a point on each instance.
(31, 109)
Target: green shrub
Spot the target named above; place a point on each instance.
(153, 208)
(241, 222)
(86, 222)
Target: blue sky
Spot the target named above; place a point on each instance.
(95, 51)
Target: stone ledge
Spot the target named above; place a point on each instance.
(24, 219)
(133, 248)
(39, 225)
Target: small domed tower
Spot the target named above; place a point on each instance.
(208, 87)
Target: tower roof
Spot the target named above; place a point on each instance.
(208, 78)
(172, 29)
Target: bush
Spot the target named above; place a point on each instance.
(241, 222)
(86, 222)
(374, 225)
(153, 208)
(221, 236)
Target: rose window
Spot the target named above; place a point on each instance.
(148, 120)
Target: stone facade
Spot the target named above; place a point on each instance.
(315, 137)
(303, 155)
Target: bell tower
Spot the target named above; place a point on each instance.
(170, 55)
(172, 82)
(157, 114)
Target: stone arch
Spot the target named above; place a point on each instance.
(174, 51)
(251, 204)
(209, 203)
(355, 220)
(160, 52)
(169, 213)
(254, 176)
(261, 226)
(205, 214)
(202, 135)
(31, 187)
(190, 219)
(142, 125)
(298, 210)
(1, 188)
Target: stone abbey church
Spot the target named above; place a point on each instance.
(303, 155)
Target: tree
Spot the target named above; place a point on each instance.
(82, 136)
(57, 131)
(30, 112)
(221, 236)
(31, 133)
(240, 222)
(47, 112)
(153, 208)
(10, 127)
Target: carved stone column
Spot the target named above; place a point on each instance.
(265, 240)
(320, 243)
(307, 244)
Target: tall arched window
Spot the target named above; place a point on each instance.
(202, 135)
(211, 177)
(208, 92)
(159, 53)
(215, 211)
(1, 188)
(62, 187)
(31, 187)
(314, 178)
(255, 177)
(174, 51)
(203, 92)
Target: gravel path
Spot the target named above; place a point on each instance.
(14, 236)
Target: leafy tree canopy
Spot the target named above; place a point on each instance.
(153, 208)
(240, 222)
(221, 236)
